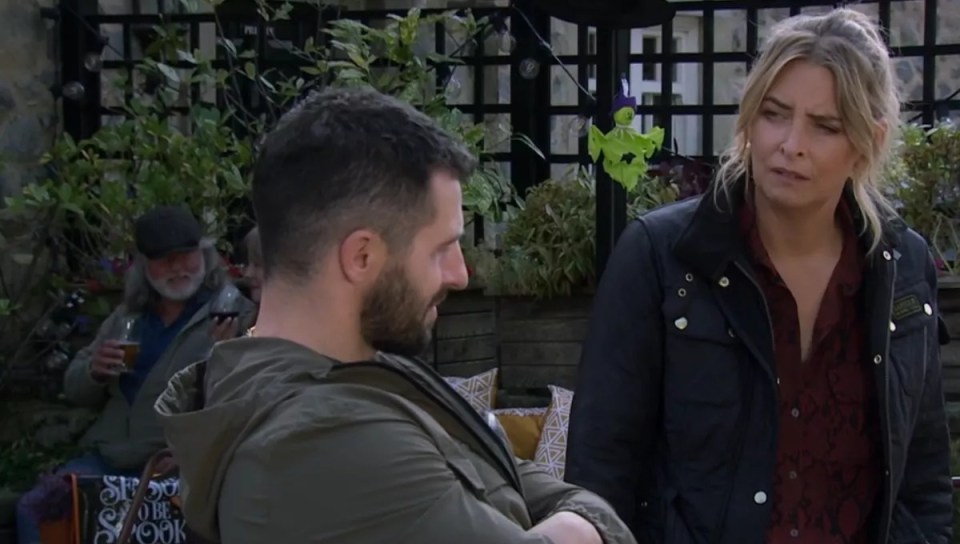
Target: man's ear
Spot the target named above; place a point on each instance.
(362, 254)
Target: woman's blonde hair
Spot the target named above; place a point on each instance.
(849, 44)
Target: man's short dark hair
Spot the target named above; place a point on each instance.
(344, 159)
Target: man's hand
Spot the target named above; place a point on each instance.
(107, 361)
(225, 329)
(568, 528)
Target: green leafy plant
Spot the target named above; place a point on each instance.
(23, 460)
(98, 186)
(548, 248)
(393, 60)
(169, 143)
(923, 181)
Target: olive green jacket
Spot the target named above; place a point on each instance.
(290, 446)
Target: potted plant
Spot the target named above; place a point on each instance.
(542, 269)
(50, 507)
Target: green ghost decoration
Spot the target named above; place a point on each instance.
(625, 149)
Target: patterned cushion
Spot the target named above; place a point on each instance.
(479, 390)
(551, 452)
(523, 427)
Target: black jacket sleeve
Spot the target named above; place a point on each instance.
(926, 494)
(615, 412)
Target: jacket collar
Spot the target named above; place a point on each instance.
(711, 239)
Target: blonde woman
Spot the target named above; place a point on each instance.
(762, 363)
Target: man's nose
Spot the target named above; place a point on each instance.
(455, 271)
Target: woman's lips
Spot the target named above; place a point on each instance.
(789, 174)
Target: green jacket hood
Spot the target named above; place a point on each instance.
(244, 380)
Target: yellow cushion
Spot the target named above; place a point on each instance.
(523, 427)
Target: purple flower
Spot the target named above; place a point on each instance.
(50, 500)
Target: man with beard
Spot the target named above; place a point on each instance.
(322, 427)
(166, 327)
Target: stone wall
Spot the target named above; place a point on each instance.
(28, 119)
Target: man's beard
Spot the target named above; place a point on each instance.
(178, 294)
(393, 316)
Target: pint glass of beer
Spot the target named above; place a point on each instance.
(126, 335)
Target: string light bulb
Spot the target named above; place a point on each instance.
(93, 62)
(74, 90)
(506, 42)
(529, 68)
(580, 126)
(453, 88)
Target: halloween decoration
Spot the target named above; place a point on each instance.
(625, 150)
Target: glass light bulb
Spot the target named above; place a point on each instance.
(74, 90)
(453, 88)
(580, 126)
(506, 42)
(529, 68)
(92, 62)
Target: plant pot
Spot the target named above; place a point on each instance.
(57, 532)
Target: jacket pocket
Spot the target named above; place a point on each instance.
(702, 355)
(462, 467)
(910, 337)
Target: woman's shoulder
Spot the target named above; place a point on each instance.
(912, 253)
(668, 221)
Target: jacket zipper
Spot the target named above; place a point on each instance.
(885, 524)
(743, 438)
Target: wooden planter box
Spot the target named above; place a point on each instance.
(534, 343)
(465, 336)
(540, 343)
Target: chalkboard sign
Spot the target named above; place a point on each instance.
(105, 501)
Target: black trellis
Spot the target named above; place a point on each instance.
(530, 109)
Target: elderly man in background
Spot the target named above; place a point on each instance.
(163, 325)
